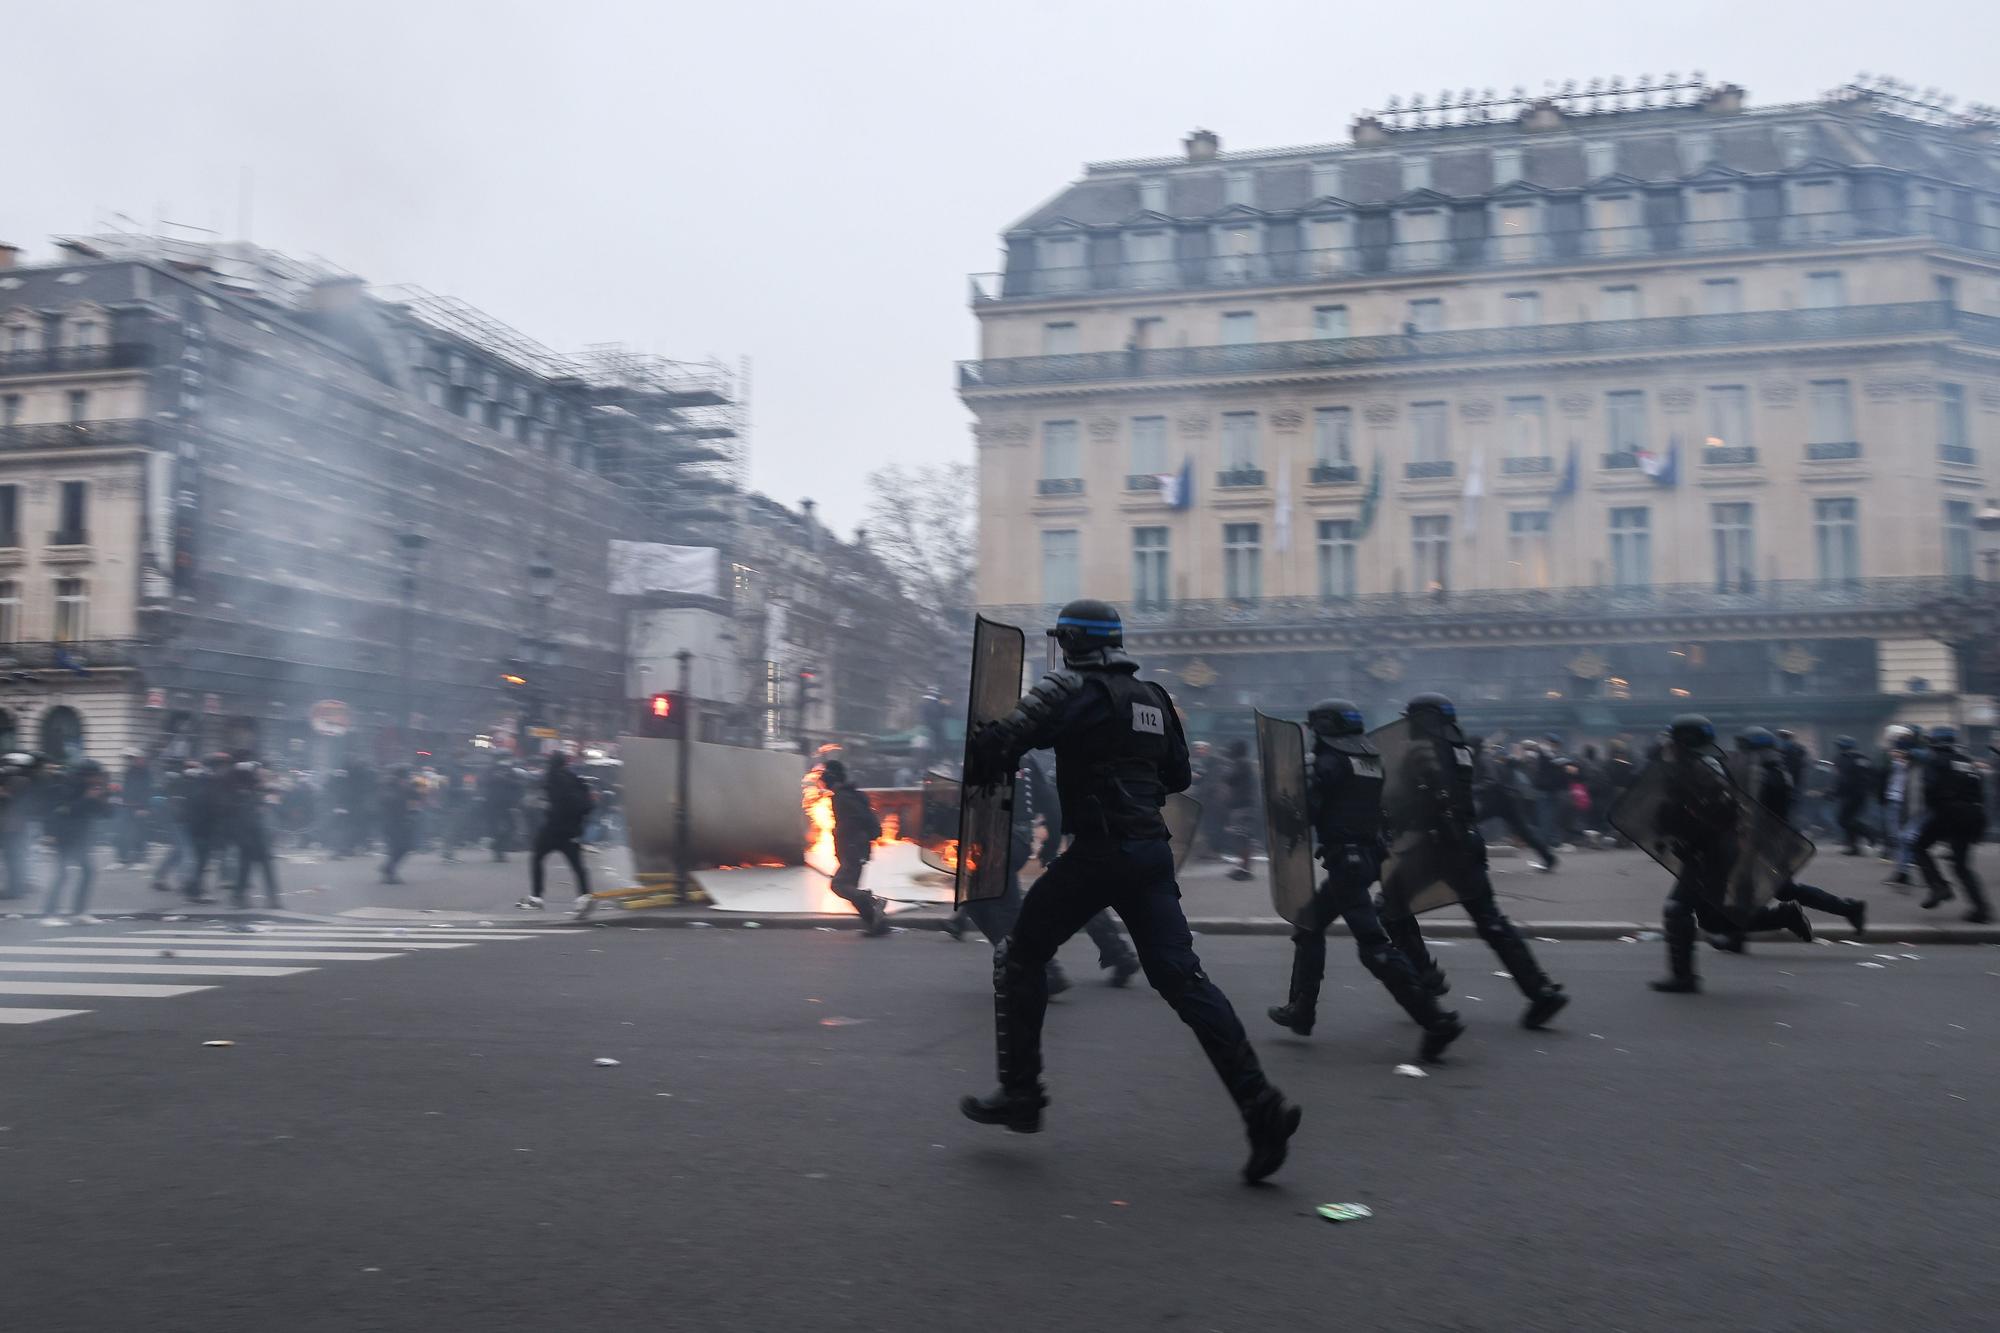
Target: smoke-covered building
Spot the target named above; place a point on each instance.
(253, 501)
(1588, 408)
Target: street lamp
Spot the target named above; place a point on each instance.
(409, 551)
(537, 650)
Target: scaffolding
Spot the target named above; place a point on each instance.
(452, 316)
(671, 432)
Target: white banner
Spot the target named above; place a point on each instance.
(638, 568)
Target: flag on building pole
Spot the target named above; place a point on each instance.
(1177, 488)
(1475, 487)
(1567, 486)
(1372, 497)
(1662, 468)
(1281, 517)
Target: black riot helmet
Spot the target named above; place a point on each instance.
(1435, 704)
(1756, 738)
(1085, 629)
(1692, 731)
(1943, 738)
(1335, 717)
(1844, 743)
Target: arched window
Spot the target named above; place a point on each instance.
(62, 734)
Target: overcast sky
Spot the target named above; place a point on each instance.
(806, 184)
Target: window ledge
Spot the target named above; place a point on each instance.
(69, 554)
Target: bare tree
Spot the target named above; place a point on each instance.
(923, 522)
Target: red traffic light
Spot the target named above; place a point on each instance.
(663, 705)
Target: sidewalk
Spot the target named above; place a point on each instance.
(1593, 895)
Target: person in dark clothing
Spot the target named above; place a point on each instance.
(1699, 819)
(206, 812)
(1442, 809)
(1344, 802)
(250, 825)
(135, 810)
(1771, 776)
(79, 799)
(1796, 759)
(452, 805)
(1546, 775)
(1035, 801)
(499, 794)
(855, 828)
(401, 800)
(1239, 794)
(566, 804)
(1955, 814)
(18, 781)
(1853, 780)
(1119, 752)
(1495, 789)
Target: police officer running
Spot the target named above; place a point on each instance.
(1955, 805)
(1344, 800)
(1441, 761)
(1119, 753)
(1773, 786)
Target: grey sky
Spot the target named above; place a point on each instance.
(805, 183)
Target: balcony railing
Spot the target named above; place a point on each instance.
(1620, 459)
(1729, 455)
(1238, 478)
(1673, 333)
(1506, 250)
(1527, 467)
(1142, 481)
(1828, 450)
(1334, 474)
(1429, 468)
(85, 654)
(1059, 486)
(55, 360)
(80, 435)
(1958, 453)
(1528, 605)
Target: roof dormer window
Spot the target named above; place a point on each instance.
(1326, 181)
(1416, 171)
(1506, 165)
(1600, 158)
(1153, 194)
(1237, 189)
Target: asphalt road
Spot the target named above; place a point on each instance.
(423, 1142)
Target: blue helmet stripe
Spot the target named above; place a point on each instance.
(1073, 622)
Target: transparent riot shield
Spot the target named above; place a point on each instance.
(1183, 815)
(986, 812)
(1430, 848)
(1687, 813)
(937, 833)
(1281, 751)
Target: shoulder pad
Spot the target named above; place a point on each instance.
(1360, 745)
(1059, 686)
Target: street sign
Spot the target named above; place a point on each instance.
(156, 698)
(330, 717)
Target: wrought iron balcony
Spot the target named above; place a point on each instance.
(1619, 460)
(80, 435)
(1673, 333)
(56, 360)
(1059, 486)
(1240, 477)
(1729, 455)
(1505, 250)
(1431, 468)
(1961, 454)
(1527, 467)
(1531, 605)
(1826, 450)
(1334, 474)
(1142, 481)
(81, 655)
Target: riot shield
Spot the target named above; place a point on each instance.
(1690, 816)
(986, 812)
(1183, 815)
(1423, 869)
(937, 833)
(1281, 751)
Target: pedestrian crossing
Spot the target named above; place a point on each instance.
(166, 964)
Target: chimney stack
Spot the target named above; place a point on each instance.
(1726, 100)
(8, 254)
(1202, 146)
(331, 295)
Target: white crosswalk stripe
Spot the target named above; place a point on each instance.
(123, 966)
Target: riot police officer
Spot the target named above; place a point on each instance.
(1446, 814)
(1119, 753)
(1853, 776)
(1344, 801)
(1771, 782)
(1955, 802)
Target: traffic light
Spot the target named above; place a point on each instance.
(664, 715)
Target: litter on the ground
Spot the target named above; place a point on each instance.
(838, 1022)
(218, 1043)
(1854, 944)
(605, 1062)
(1411, 1071)
(1650, 936)
(697, 925)
(1344, 1212)
(753, 925)
(1628, 939)
(1870, 964)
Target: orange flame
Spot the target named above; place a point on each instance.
(816, 799)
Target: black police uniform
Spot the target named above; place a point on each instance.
(1344, 797)
(1776, 792)
(1954, 799)
(1119, 752)
(1443, 765)
(1852, 780)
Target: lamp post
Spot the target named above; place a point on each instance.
(409, 552)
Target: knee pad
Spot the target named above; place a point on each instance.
(1174, 978)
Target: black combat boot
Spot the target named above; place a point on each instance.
(1020, 1111)
(1680, 979)
(1545, 998)
(1308, 967)
(1856, 913)
(1439, 1034)
(1792, 917)
(1270, 1121)
(1020, 998)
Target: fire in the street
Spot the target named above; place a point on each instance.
(817, 801)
